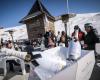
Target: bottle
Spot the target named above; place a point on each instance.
(75, 47)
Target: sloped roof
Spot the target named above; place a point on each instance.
(31, 16)
(37, 9)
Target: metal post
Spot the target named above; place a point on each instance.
(67, 7)
(12, 40)
(11, 34)
(66, 40)
(65, 19)
(66, 28)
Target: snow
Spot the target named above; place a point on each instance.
(79, 19)
(20, 32)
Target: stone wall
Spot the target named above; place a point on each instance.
(38, 26)
(35, 27)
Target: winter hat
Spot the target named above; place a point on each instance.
(76, 27)
(88, 25)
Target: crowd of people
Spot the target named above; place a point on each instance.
(49, 40)
(87, 40)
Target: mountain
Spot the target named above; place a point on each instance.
(79, 19)
(20, 32)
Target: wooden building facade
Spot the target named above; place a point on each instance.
(38, 21)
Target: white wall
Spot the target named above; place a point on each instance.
(59, 26)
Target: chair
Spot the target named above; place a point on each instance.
(3, 63)
(10, 54)
(97, 49)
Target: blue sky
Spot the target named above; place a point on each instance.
(12, 11)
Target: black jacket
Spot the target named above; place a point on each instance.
(91, 39)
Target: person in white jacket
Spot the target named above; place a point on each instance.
(75, 47)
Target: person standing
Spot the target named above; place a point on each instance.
(62, 39)
(51, 43)
(81, 34)
(91, 38)
(46, 35)
(58, 38)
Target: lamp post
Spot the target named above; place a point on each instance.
(65, 19)
(11, 34)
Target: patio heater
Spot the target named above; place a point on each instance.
(11, 34)
(65, 19)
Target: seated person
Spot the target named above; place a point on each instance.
(51, 43)
(64, 39)
(9, 45)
